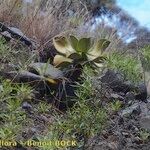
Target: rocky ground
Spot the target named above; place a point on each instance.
(128, 127)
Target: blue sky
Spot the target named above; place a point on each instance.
(139, 9)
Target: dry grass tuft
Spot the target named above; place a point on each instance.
(41, 20)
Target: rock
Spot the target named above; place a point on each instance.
(141, 92)
(17, 31)
(145, 109)
(129, 96)
(26, 106)
(135, 108)
(116, 81)
(145, 122)
(145, 116)
(126, 134)
(116, 97)
(6, 35)
(104, 145)
(17, 34)
(137, 140)
(120, 120)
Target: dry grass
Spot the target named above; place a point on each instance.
(10, 11)
(43, 19)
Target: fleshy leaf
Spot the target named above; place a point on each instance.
(103, 44)
(84, 45)
(98, 49)
(61, 60)
(99, 65)
(74, 42)
(62, 45)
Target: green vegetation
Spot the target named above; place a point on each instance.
(145, 61)
(145, 58)
(116, 106)
(12, 116)
(144, 135)
(84, 120)
(18, 57)
(4, 51)
(78, 122)
(127, 65)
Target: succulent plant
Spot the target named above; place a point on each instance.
(79, 50)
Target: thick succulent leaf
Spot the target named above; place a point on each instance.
(74, 56)
(99, 65)
(61, 60)
(46, 70)
(74, 42)
(101, 45)
(84, 45)
(62, 45)
(91, 57)
(98, 48)
(105, 43)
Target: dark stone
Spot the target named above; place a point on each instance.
(137, 111)
(129, 96)
(141, 92)
(145, 122)
(116, 81)
(116, 97)
(16, 34)
(145, 116)
(120, 121)
(6, 35)
(133, 109)
(26, 106)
